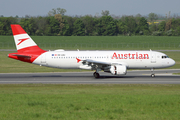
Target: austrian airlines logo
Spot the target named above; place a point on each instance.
(22, 40)
(130, 56)
(78, 60)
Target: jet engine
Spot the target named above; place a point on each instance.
(118, 70)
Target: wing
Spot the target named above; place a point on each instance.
(96, 64)
(89, 61)
(93, 64)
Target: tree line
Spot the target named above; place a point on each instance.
(58, 24)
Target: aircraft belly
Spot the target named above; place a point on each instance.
(56, 63)
(66, 64)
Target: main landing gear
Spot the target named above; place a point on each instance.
(96, 75)
(152, 75)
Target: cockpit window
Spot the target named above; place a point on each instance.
(163, 57)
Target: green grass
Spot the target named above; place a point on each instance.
(98, 39)
(176, 73)
(99, 42)
(89, 102)
(9, 65)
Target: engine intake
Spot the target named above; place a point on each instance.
(118, 70)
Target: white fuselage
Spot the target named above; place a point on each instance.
(115, 62)
(132, 59)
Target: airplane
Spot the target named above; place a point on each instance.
(114, 62)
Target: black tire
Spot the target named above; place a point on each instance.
(152, 75)
(96, 75)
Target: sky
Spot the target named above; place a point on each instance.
(88, 7)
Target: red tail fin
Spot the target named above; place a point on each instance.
(23, 41)
(27, 49)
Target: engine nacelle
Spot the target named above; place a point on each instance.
(118, 70)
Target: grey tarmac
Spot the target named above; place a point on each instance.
(133, 77)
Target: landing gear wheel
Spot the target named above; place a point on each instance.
(96, 75)
(152, 75)
(152, 71)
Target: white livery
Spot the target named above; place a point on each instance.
(114, 62)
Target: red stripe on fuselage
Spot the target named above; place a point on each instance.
(31, 52)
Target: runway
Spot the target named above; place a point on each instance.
(132, 77)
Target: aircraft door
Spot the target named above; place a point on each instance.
(153, 58)
(43, 59)
(108, 58)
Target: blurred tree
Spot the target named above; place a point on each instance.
(175, 23)
(66, 31)
(61, 22)
(130, 22)
(41, 26)
(57, 11)
(122, 28)
(52, 12)
(89, 24)
(161, 26)
(105, 13)
(106, 26)
(137, 18)
(53, 26)
(27, 16)
(143, 25)
(178, 30)
(28, 25)
(153, 27)
(152, 17)
(138, 15)
(168, 25)
(78, 28)
(5, 25)
(61, 11)
(2, 32)
(70, 22)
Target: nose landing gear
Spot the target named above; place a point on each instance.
(152, 75)
(152, 71)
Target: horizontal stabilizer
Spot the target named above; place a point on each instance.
(25, 56)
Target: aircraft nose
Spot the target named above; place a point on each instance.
(172, 62)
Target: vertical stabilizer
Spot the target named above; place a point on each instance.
(23, 41)
(27, 49)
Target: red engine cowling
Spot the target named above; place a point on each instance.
(118, 70)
